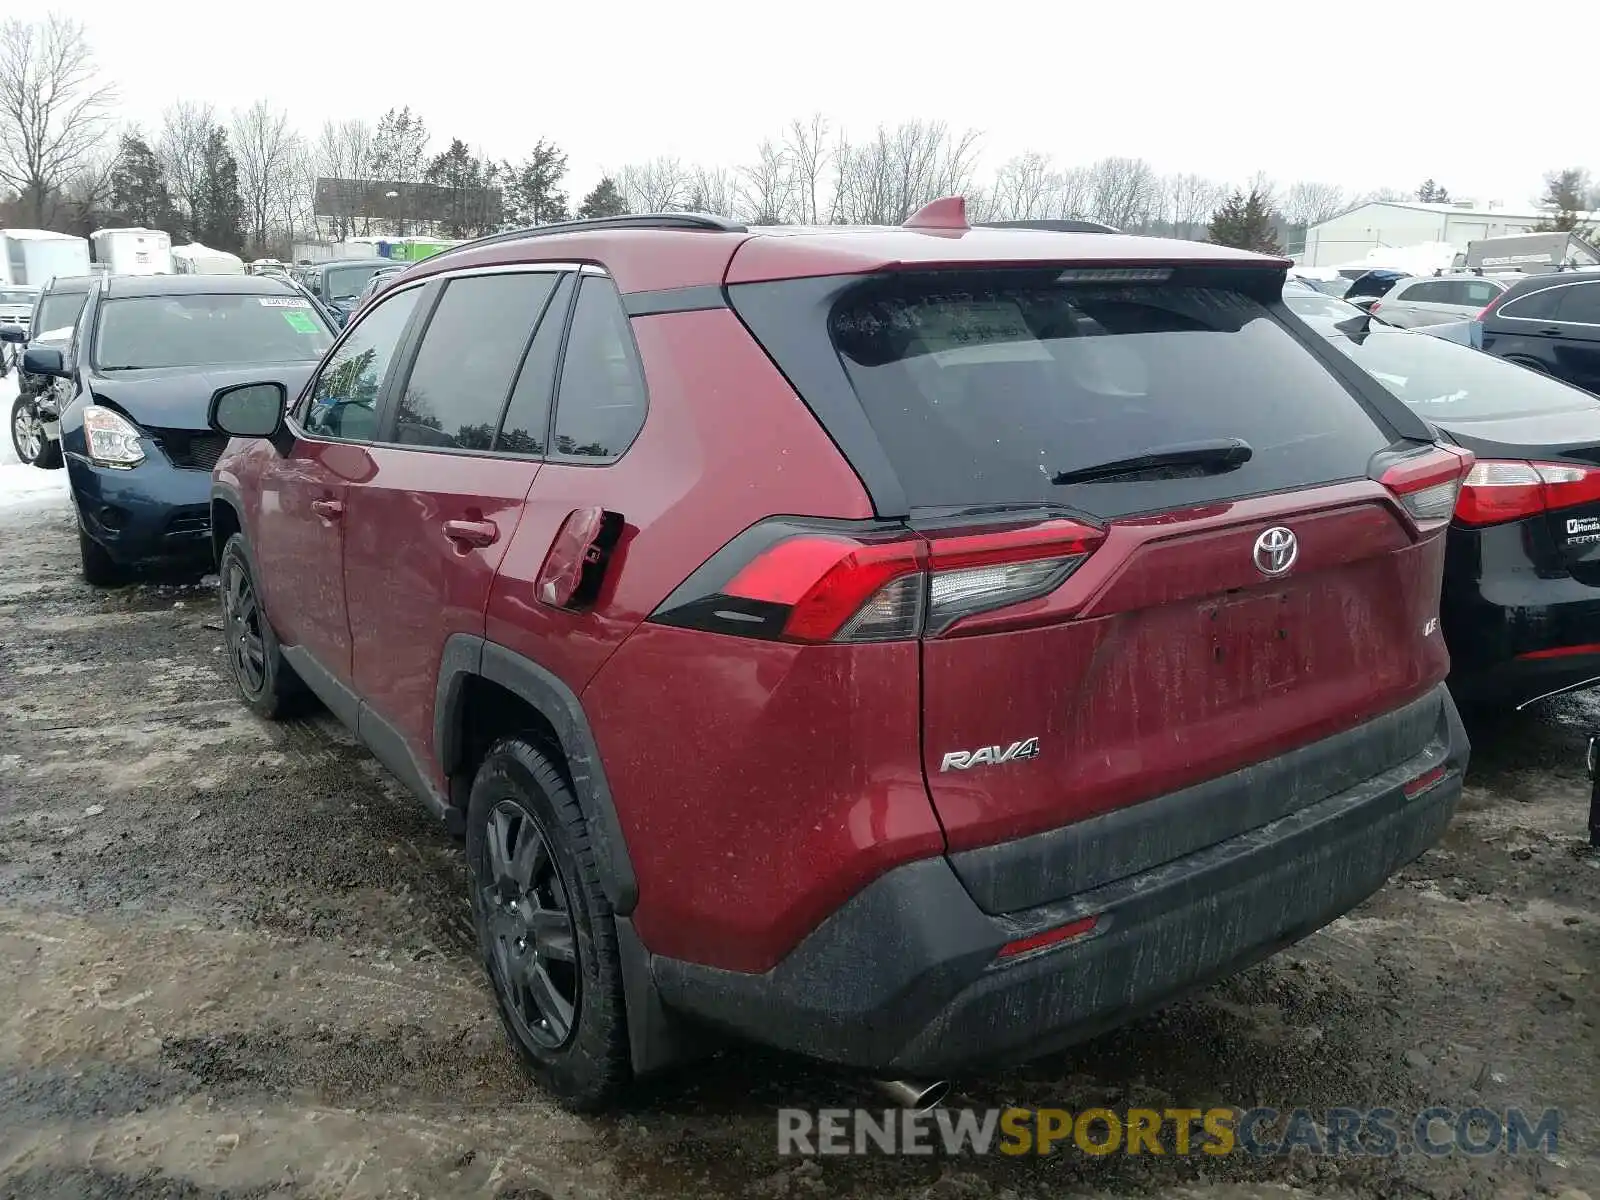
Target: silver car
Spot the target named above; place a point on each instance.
(1436, 300)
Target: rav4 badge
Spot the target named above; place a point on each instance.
(990, 756)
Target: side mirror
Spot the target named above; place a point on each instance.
(43, 360)
(13, 333)
(248, 410)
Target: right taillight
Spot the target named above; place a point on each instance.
(1427, 484)
(826, 586)
(1500, 490)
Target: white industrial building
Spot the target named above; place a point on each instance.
(1381, 224)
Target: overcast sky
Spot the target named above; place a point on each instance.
(1220, 89)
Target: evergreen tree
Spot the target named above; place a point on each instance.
(604, 201)
(1567, 193)
(533, 189)
(219, 208)
(1431, 193)
(465, 179)
(1245, 222)
(139, 187)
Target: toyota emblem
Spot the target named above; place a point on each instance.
(1276, 550)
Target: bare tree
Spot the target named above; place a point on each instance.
(768, 189)
(884, 180)
(1191, 199)
(343, 151)
(660, 185)
(1026, 188)
(1126, 192)
(1311, 203)
(54, 113)
(806, 147)
(712, 190)
(86, 193)
(265, 148)
(186, 129)
(1075, 193)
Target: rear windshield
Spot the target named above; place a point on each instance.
(1442, 380)
(59, 310)
(983, 389)
(186, 330)
(345, 283)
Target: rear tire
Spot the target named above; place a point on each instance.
(545, 928)
(265, 682)
(99, 568)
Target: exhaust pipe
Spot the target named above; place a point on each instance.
(918, 1095)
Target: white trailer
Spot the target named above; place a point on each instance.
(36, 256)
(195, 259)
(133, 251)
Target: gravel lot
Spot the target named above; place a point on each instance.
(235, 960)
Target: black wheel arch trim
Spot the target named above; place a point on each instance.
(466, 655)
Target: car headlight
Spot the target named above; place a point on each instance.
(113, 439)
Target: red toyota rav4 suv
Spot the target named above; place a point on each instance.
(915, 648)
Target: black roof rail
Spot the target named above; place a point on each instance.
(1055, 225)
(674, 220)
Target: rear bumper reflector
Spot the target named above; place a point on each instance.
(1050, 937)
(1425, 781)
(1564, 651)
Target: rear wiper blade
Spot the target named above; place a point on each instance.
(1213, 455)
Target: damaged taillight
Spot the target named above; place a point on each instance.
(822, 586)
(1427, 484)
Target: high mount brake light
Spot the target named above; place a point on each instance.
(830, 587)
(1427, 484)
(1500, 490)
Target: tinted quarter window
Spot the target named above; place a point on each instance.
(1580, 303)
(527, 418)
(1478, 292)
(343, 402)
(600, 406)
(467, 359)
(983, 388)
(1535, 306)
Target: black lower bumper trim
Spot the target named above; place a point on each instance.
(903, 978)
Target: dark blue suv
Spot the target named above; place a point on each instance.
(143, 360)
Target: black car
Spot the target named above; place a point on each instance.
(138, 372)
(35, 429)
(1551, 323)
(337, 284)
(1520, 610)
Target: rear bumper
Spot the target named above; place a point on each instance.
(904, 977)
(1515, 633)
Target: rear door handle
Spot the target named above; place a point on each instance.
(472, 533)
(328, 510)
(1553, 331)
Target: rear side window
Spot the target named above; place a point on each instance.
(600, 406)
(1580, 304)
(1441, 380)
(983, 389)
(469, 354)
(527, 417)
(1431, 292)
(1478, 292)
(1535, 306)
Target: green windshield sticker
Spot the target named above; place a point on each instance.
(300, 321)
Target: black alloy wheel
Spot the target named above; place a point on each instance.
(529, 922)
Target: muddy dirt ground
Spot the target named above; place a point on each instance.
(235, 960)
